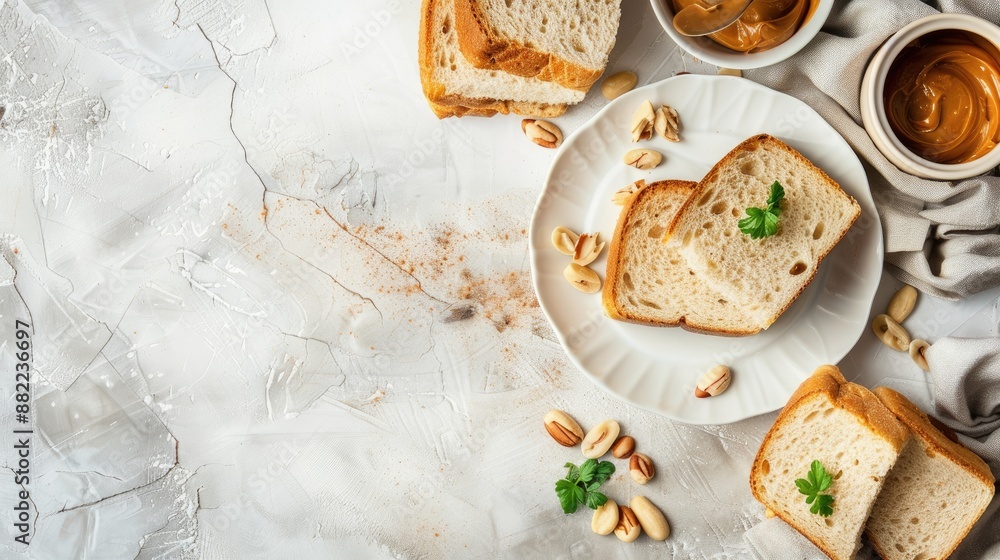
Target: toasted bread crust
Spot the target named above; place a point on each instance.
(484, 49)
(445, 104)
(462, 109)
(827, 382)
(921, 425)
(609, 295)
(753, 143)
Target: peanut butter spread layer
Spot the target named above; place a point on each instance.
(765, 25)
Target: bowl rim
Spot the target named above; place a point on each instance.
(873, 87)
(726, 58)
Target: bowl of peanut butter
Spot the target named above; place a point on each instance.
(930, 97)
(768, 32)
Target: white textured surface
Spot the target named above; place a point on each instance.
(228, 224)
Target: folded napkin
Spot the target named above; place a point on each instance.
(940, 237)
(773, 539)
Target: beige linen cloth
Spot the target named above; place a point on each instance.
(941, 237)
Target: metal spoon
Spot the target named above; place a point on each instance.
(708, 16)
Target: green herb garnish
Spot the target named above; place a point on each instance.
(763, 222)
(581, 484)
(818, 480)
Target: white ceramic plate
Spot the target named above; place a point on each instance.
(657, 368)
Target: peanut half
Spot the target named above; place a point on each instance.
(563, 428)
(902, 303)
(714, 382)
(642, 158)
(891, 333)
(623, 447)
(599, 440)
(564, 240)
(628, 528)
(918, 349)
(667, 124)
(641, 468)
(582, 278)
(587, 249)
(642, 122)
(622, 195)
(618, 83)
(543, 133)
(605, 518)
(650, 518)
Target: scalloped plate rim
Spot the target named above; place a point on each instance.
(859, 189)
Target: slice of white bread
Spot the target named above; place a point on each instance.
(553, 40)
(454, 87)
(762, 276)
(935, 493)
(647, 281)
(856, 439)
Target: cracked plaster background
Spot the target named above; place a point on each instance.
(281, 310)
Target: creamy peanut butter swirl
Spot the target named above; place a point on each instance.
(765, 25)
(942, 97)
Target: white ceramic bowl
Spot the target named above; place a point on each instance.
(714, 53)
(873, 108)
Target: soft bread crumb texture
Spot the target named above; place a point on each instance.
(859, 462)
(762, 276)
(934, 495)
(649, 282)
(581, 32)
(928, 504)
(856, 439)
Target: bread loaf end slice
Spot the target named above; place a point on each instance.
(453, 87)
(856, 439)
(567, 43)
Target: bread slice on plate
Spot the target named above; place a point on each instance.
(762, 276)
(935, 493)
(856, 440)
(562, 42)
(454, 87)
(647, 281)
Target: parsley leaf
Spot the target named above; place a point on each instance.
(567, 495)
(774, 201)
(587, 470)
(581, 484)
(596, 500)
(819, 477)
(823, 505)
(763, 222)
(817, 480)
(604, 471)
(574, 471)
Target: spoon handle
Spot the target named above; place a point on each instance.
(706, 16)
